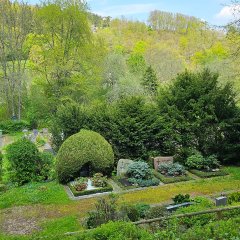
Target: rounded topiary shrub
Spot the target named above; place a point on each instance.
(85, 147)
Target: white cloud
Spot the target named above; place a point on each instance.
(128, 9)
(228, 12)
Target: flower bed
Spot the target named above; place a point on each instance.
(208, 174)
(86, 186)
(108, 188)
(171, 179)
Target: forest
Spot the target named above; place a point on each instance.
(103, 89)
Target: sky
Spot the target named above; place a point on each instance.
(216, 12)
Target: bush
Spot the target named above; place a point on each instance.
(234, 197)
(195, 161)
(131, 212)
(139, 170)
(142, 208)
(145, 182)
(47, 166)
(79, 184)
(180, 198)
(198, 162)
(26, 163)
(13, 126)
(83, 148)
(106, 210)
(24, 159)
(156, 212)
(172, 169)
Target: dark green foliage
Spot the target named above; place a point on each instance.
(131, 212)
(180, 198)
(13, 126)
(130, 125)
(200, 115)
(171, 169)
(139, 170)
(47, 170)
(234, 197)
(149, 81)
(84, 148)
(25, 161)
(142, 208)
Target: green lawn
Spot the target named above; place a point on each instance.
(54, 212)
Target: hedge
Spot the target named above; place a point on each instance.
(203, 174)
(10, 126)
(85, 147)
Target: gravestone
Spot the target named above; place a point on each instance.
(47, 148)
(45, 131)
(35, 132)
(122, 166)
(221, 201)
(159, 160)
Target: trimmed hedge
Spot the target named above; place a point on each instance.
(203, 174)
(85, 147)
(167, 180)
(108, 188)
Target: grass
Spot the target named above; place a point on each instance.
(34, 193)
(49, 203)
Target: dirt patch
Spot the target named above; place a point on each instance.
(20, 226)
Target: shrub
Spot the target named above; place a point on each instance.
(142, 208)
(172, 169)
(145, 182)
(195, 161)
(106, 210)
(234, 197)
(25, 161)
(180, 198)
(156, 212)
(139, 170)
(198, 162)
(85, 147)
(13, 126)
(47, 166)
(131, 212)
(211, 162)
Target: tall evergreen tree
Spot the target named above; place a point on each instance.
(150, 81)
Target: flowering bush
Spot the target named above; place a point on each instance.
(99, 180)
(79, 184)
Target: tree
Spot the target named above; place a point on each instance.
(15, 25)
(150, 81)
(198, 113)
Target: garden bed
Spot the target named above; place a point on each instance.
(205, 174)
(168, 179)
(76, 193)
(123, 183)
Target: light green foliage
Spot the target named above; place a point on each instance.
(85, 147)
(234, 197)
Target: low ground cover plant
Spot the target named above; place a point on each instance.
(234, 197)
(172, 169)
